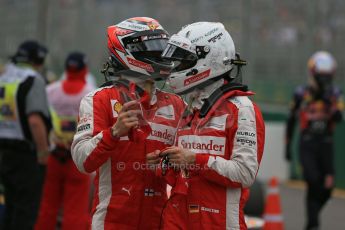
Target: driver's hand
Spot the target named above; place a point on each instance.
(179, 157)
(127, 119)
(153, 158)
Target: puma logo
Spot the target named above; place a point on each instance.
(175, 206)
(127, 190)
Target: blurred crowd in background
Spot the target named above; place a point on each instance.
(276, 37)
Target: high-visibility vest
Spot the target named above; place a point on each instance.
(64, 128)
(10, 127)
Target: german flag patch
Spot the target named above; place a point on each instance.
(193, 208)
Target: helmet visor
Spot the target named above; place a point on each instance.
(148, 45)
(148, 48)
(183, 59)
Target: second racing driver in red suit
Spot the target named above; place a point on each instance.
(220, 143)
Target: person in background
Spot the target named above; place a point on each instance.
(220, 143)
(318, 106)
(24, 127)
(65, 187)
(123, 121)
(90, 79)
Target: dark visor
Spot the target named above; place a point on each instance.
(182, 58)
(147, 41)
(148, 45)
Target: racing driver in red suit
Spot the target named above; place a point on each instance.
(220, 144)
(112, 124)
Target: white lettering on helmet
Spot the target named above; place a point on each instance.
(215, 38)
(133, 26)
(211, 31)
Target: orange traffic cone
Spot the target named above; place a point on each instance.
(273, 214)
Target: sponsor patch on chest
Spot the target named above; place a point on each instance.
(203, 144)
(218, 123)
(115, 107)
(166, 112)
(162, 133)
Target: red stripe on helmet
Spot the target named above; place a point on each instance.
(113, 51)
(113, 39)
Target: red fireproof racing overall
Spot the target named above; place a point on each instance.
(128, 195)
(229, 143)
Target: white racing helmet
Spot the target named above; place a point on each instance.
(201, 52)
(322, 62)
(322, 67)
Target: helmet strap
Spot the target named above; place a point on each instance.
(106, 71)
(238, 63)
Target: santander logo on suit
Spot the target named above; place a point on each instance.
(203, 144)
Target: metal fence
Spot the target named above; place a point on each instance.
(276, 37)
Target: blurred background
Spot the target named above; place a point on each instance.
(275, 37)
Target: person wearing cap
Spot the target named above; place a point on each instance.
(24, 127)
(318, 106)
(64, 184)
